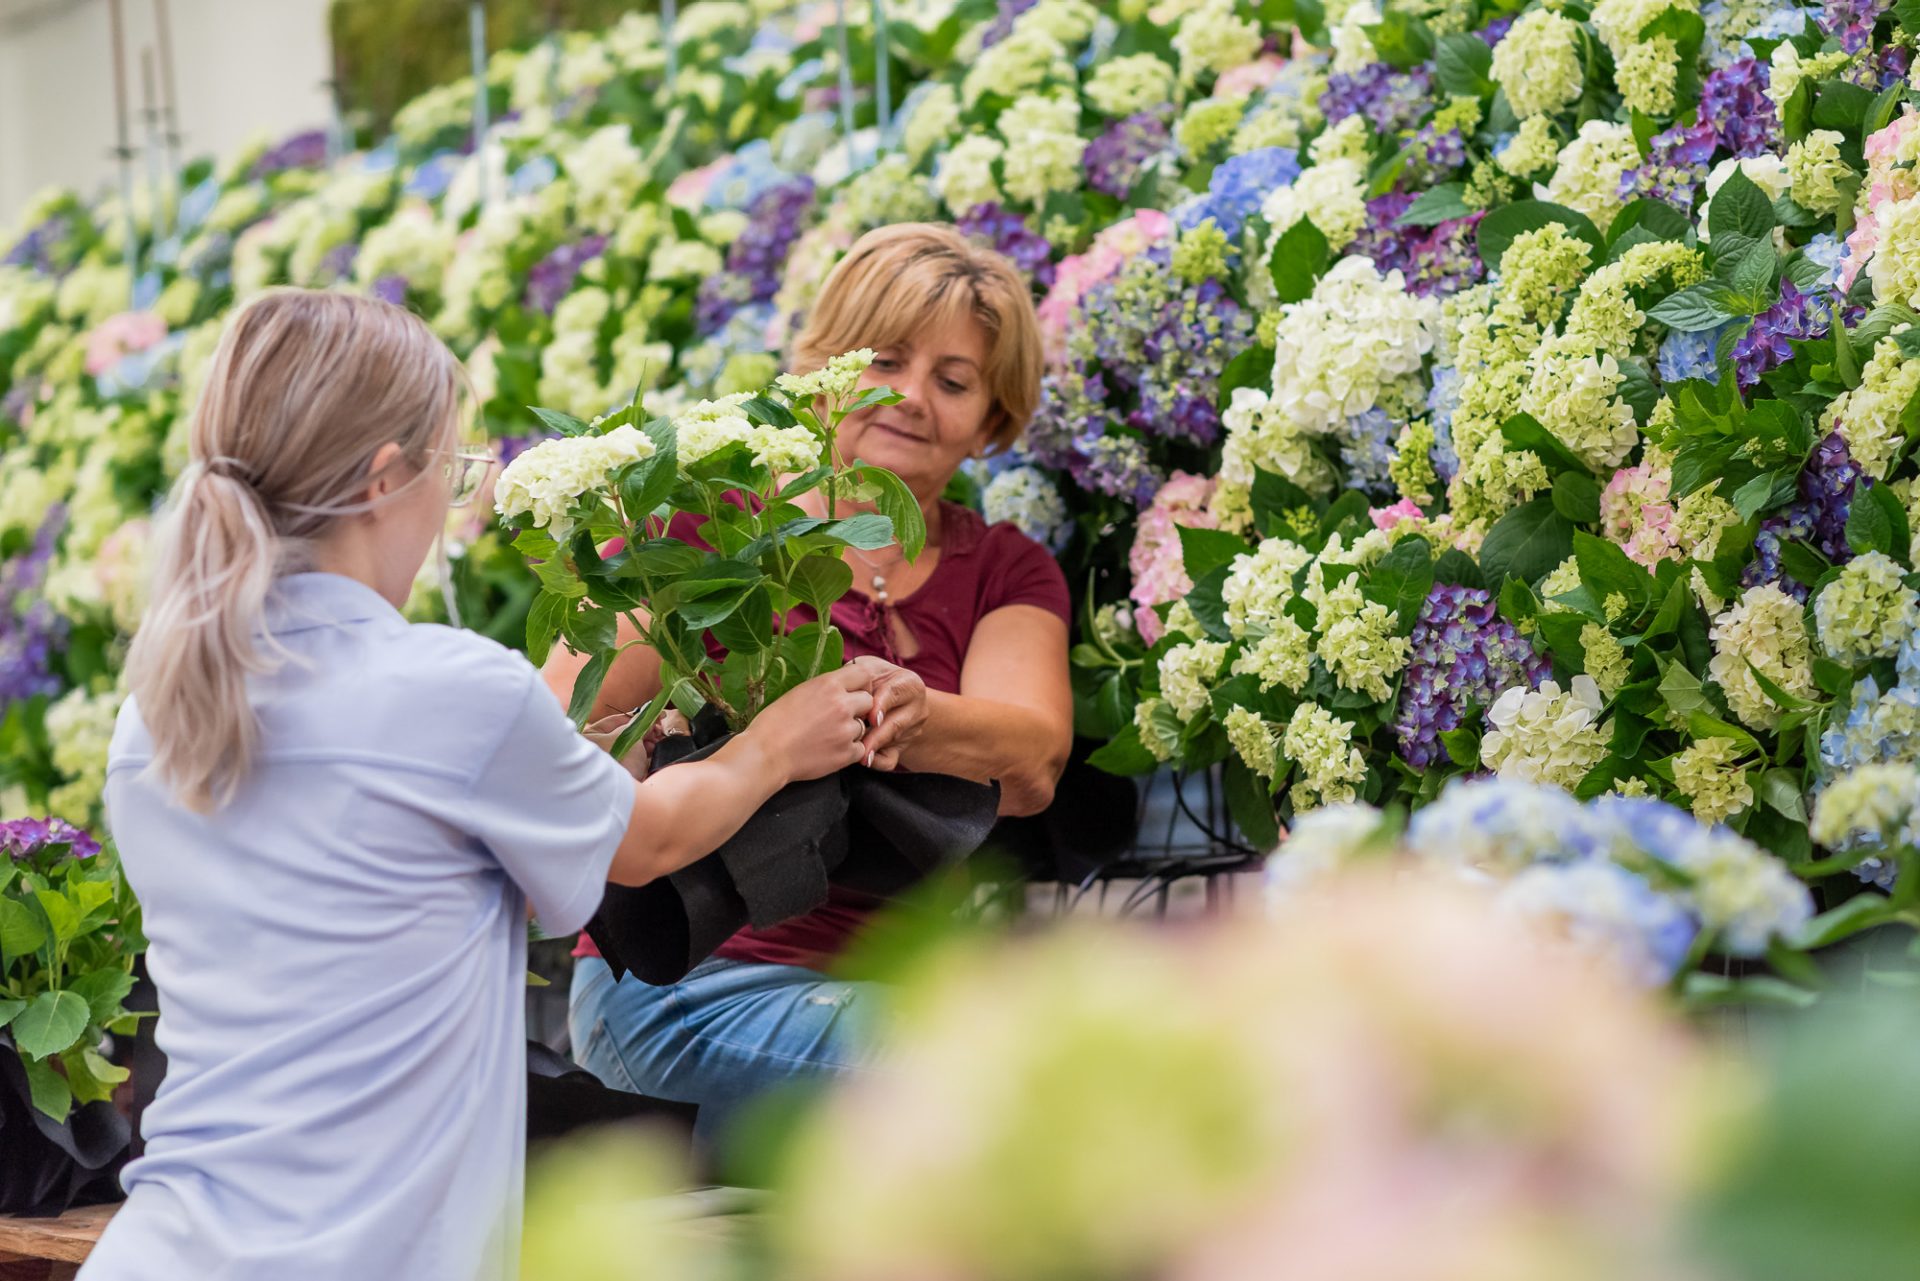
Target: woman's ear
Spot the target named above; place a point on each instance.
(382, 472)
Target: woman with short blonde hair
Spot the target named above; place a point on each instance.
(336, 823)
(968, 645)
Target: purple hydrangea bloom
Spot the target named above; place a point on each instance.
(551, 279)
(14, 405)
(1795, 317)
(1432, 155)
(21, 838)
(1464, 654)
(307, 150)
(1447, 259)
(35, 249)
(1818, 517)
(1010, 236)
(1238, 187)
(1734, 101)
(1436, 261)
(1116, 159)
(754, 260)
(511, 447)
(1676, 165)
(391, 288)
(1391, 100)
(1002, 25)
(338, 262)
(1887, 66)
(1496, 31)
(28, 639)
(1851, 21)
(1382, 239)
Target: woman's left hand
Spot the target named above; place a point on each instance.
(899, 712)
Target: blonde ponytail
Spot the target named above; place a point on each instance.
(303, 391)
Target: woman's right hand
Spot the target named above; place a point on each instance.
(816, 729)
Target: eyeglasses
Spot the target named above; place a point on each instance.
(466, 472)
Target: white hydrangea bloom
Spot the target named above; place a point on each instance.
(1545, 735)
(1338, 350)
(1259, 586)
(834, 380)
(1025, 498)
(1765, 629)
(1332, 196)
(1573, 392)
(965, 178)
(1187, 675)
(784, 450)
(1745, 894)
(709, 427)
(547, 480)
(1043, 147)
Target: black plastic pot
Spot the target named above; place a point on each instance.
(878, 833)
(46, 1166)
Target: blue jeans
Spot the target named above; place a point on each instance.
(728, 1031)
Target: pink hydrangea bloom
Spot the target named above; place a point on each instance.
(1388, 518)
(1636, 514)
(1885, 181)
(120, 335)
(1080, 272)
(1159, 568)
(689, 190)
(1249, 78)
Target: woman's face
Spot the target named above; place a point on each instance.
(941, 373)
(409, 512)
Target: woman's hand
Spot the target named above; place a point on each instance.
(604, 732)
(817, 728)
(899, 711)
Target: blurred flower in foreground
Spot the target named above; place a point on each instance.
(603, 1209)
(1468, 1100)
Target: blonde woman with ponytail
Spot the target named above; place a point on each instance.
(338, 822)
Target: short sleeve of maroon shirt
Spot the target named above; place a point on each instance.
(982, 568)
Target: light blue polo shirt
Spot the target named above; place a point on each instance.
(341, 955)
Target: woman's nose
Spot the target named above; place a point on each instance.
(912, 386)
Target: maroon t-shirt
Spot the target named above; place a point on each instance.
(982, 568)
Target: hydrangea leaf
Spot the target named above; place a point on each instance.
(1526, 543)
(51, 1023)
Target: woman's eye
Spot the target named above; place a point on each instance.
(958, 389)
(882, 362)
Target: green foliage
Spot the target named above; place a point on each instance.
(69, 933)
(387, 52)
(766, 557)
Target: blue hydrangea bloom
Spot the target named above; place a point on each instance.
(1240, 184)
(1683, 356)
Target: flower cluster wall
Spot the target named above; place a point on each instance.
(1437, 389)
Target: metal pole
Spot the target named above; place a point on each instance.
(669, 35)
(846, 82)
(477, 34)
(123, 150)
(882, 68)
(169, 97)
(156, 163)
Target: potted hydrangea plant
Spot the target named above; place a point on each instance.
(69, 933)
(739, 463)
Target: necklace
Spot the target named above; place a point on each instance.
(878, 578)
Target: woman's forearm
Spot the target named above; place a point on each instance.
(987, 741)
(682, 814)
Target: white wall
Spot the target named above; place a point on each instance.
(241, 66)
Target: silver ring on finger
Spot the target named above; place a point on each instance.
(859, 729)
